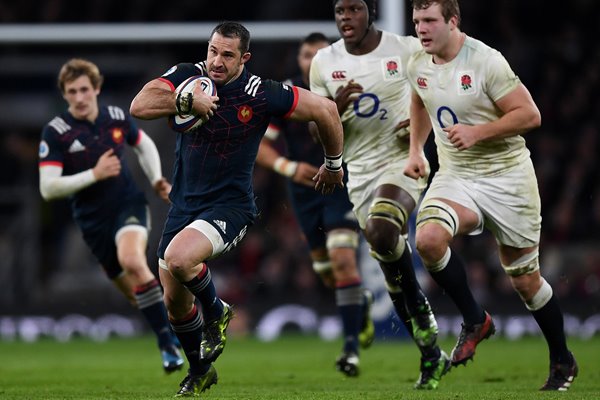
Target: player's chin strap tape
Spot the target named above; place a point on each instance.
(523, 265)
(438, 212)
(321, 266)
(342, 239)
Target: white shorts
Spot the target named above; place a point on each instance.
(363, 181)
(508, 204)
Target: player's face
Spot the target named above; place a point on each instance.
(305, 55)
(432, 30)
(224, 60)
(82, 98)
(352, 20)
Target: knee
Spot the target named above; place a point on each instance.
(343, 264)
(527, 285)
(176, 265)
(134, 265)
(429, 243)
(381, 236)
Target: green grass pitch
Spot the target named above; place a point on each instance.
(292, 367)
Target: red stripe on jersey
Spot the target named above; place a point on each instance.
(296, 96)
(139, 138)
(168, 82)
(51, 163)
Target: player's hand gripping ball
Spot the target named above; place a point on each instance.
(191, 122)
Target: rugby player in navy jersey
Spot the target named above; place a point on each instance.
(212, 200)
(82, 157)
(328, 222)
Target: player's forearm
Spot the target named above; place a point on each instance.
(515, 122)
(330, 129)
(420, 127)
(153, 102)
(55, 186)
(148, 158)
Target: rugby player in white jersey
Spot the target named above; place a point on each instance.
(478, 109)
(364, 73)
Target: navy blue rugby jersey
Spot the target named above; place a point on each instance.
(214, 163)
(300, 144)
(76, 145)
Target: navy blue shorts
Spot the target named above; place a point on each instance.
(318, 214)
(100, 237)
(230, 223)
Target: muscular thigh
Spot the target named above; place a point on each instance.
(511, 205)
(363, 182)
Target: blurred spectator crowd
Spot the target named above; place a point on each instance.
(558, 60)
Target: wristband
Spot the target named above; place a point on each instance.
(285, 167)
(333, 163)
(184, 103)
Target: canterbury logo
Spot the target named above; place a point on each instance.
(338, 75)
(422, 82)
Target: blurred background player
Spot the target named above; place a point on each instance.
(328, 223)
(364, 72)
(81, 156)
(212, 198)
(478, 109)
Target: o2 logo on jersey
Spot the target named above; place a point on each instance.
(367, 105)
(245, 114)
(444, 111)
(117, 136)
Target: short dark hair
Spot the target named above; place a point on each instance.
(315, 37)
(234, 30)
(371, 7)
(450, 8)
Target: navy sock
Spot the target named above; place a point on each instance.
(550, 321)
(149, 299)
(453, 280)
(203, 288)
(401, 273)
(350, 302)
(189, 333)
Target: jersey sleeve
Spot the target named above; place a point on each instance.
(500, 78)
(180, 72)
(50, 151)
(281, 98)
(317, 84)
(133, 132)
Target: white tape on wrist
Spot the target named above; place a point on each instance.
(285, 167)
(333, 163)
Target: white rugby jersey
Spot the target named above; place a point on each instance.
(463, 91)
(370, 120)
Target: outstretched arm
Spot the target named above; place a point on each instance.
(323, 111)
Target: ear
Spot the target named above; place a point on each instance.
(453, 22)
(246, 57)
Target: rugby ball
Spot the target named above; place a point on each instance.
(188, 123)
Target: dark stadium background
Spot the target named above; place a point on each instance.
(47, 275)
